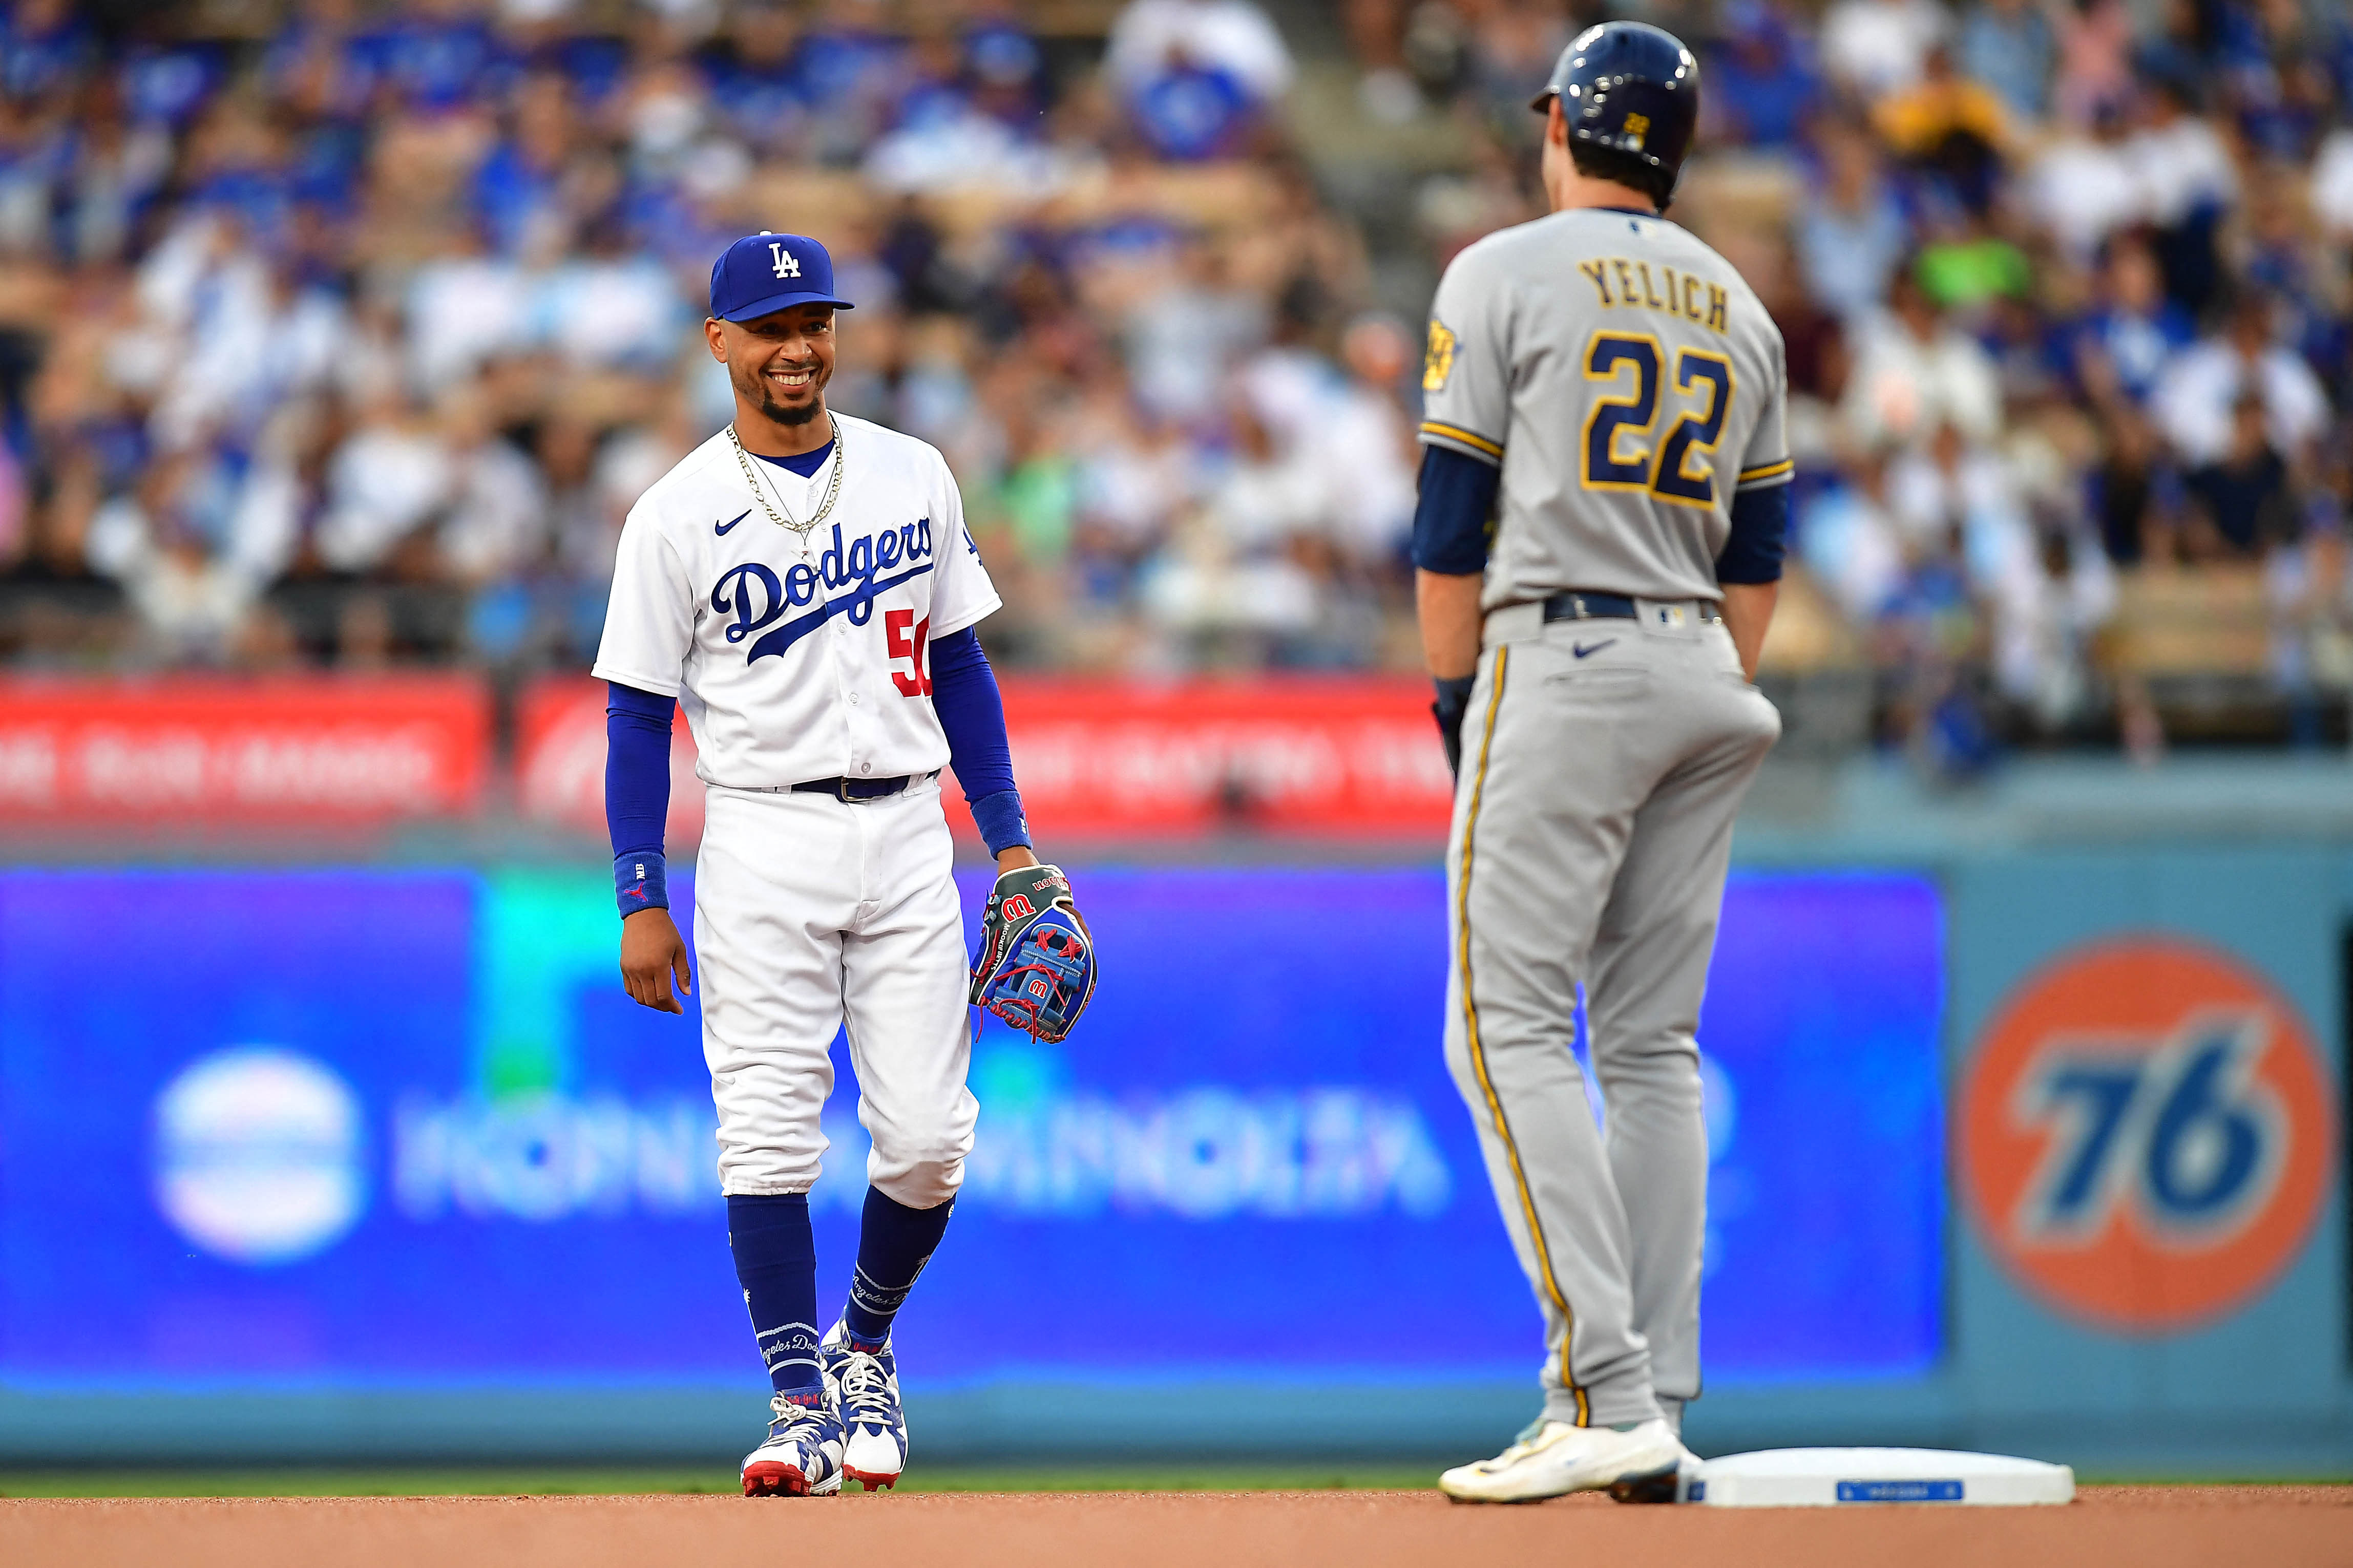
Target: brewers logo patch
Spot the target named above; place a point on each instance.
(2146, 1134)
(1440, 364)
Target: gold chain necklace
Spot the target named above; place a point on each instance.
(760, 493)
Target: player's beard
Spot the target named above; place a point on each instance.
(755, 389)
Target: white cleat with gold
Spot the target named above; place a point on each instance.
(1553, 1458)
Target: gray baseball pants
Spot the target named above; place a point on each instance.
(1603, 762)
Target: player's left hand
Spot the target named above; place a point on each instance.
(652, 952)
(1035, 966)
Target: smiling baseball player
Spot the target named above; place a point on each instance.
(803, 585)
(1605, 390)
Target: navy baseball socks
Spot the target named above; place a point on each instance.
(837, 1410)
(776, 1261)
(894, 1242)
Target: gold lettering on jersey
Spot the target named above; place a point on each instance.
(1682, 297)
(1440, 364)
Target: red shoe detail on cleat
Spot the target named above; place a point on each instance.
(775, 1480)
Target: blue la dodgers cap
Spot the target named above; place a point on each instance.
(766, 272)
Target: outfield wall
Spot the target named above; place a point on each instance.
(2032, 1151)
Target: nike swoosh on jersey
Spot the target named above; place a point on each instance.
(721, 528)
(799, 626)
(1580, 651)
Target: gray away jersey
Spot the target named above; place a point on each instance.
(1627, 382)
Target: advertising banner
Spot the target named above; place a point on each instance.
(1104, 758)
(377, 1129)
(298, 749)
(2147, 1143)
(2148, 1134)
(560, 760)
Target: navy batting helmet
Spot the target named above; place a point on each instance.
(1632, 87)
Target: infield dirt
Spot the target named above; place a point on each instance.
(2108, 1527)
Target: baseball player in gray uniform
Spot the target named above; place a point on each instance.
(1604, 499)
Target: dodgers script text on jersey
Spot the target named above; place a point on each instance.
(756, 597)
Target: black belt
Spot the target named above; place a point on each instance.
(849, 789)
(1579, 604)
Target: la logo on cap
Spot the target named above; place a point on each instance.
(787, 264)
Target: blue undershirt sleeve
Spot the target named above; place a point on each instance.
(1450, 519)
(1760, 534)
(972, 713)
(636, 795)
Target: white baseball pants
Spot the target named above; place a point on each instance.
(809, 913)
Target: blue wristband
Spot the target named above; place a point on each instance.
(1000, 820)
(640, 881)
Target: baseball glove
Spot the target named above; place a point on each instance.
(1035, 966)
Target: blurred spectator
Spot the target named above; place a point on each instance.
(2203, 394)
(2083, 185)
(2186, 179)
(1915, 373)
(2008, 45)
(2243, 496)
(1948, 127)
(1851, 232)
(2332, 183)
(1182, 339)
(1761, 83)
(2126, 490)
(2095, 47)
(1877, 47)
(464, 309)
(1229, 581)
(1849, 542)
(386, 480)
(1365, 444)
(2124, 343)
(1232, 38)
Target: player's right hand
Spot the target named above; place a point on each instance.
(1454, 703)
(651, 953)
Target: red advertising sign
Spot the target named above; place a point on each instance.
(208, 748)
(1099, 758)
(560, 760)
(1296, 753)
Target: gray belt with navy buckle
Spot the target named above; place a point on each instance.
(1578, 604)
(852, 791)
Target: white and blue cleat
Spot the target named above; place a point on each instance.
(864, 1385)
(802, 1453)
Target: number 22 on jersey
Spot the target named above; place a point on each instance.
(1619, 454)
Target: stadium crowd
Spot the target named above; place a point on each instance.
(344, 334)
(2064, 285)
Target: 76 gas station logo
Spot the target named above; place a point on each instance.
(2145, 1134)
(2184, 1140)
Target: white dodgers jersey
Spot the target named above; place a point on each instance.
(797, 657)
